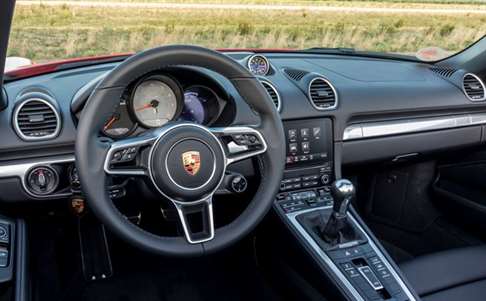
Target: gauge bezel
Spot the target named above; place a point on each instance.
(169, 81)
(267, 63)
(132, 129)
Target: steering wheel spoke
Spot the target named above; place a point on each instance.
(197, 220)
(241, 142)
(125, 157)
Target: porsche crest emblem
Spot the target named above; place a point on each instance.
(192, 162)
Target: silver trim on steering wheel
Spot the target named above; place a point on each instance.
(151, 138)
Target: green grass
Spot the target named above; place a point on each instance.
(43, 33)
(298, 2)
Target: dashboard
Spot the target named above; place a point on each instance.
(337, 111)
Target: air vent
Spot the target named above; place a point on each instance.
(36, 119)
(443, 71)
(473, 87)
(273, 93)
(295, 74)
(322, 94)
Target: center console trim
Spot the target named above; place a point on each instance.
(327, 260)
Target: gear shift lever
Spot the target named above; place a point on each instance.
(342, 192)
(337, 229)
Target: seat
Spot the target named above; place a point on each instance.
(453, 275)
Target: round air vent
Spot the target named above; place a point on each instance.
(473, 87)
(322, 94)
(273, 93)
(36, 119)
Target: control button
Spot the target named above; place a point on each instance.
(316, 132)
(370, 276)
(293, 148)
(347, 265)
(124, 155)
(42, 180)
(286, 181)
(246, 139)
(384, 273)
(325, 179)
(305, 147)
(252, 139)
(352, 273)
(296, 186)
(304, 133)
(292, 134)
(303, 158)
(117, 193)
(312, 178)
(239, 184)
(295, 180)
(3, 257)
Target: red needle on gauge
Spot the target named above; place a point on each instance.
(153, 104)
(145, 106)
(110, 122)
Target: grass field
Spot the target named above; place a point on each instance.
(42, 33)
(307, 2)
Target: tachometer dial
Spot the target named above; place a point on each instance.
(119, 124)
(156, 100)
(258, 65)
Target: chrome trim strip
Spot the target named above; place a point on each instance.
(21, 169)
(325, 258)
(406, 126)
(330, 85)
(480, 82)
(20, 105)
(279, 100)
(209, 202)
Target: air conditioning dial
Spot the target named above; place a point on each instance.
(42, 180)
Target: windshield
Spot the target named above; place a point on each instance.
(424, 29)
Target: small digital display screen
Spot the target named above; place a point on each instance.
(309, 142)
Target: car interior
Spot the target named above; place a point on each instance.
(185, 173)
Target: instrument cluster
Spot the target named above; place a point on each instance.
(156, 99)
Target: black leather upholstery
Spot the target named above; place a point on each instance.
(458, 274)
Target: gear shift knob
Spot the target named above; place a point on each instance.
(343, 192)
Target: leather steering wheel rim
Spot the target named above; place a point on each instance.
(91, 150)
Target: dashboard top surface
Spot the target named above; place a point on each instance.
(367, 90)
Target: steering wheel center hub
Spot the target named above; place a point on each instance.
(187, 163)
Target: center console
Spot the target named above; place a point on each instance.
(316, 208)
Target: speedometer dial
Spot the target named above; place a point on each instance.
(258, 65)
(156, 100)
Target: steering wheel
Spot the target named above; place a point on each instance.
(184, 162)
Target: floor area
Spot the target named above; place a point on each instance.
(57, 273)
